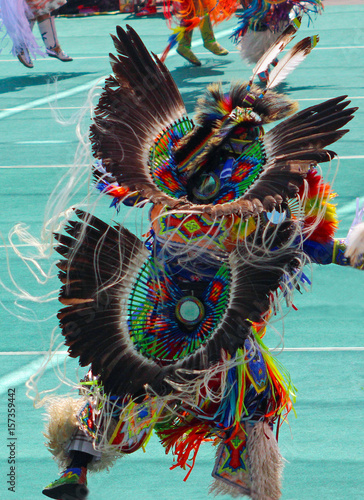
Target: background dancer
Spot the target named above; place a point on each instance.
(191, 14)
(262, 22)
(19, 17)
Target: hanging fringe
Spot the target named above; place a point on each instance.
(14, 17)
(265, 462)
(185, 442)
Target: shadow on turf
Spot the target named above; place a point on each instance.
(15, 83)
(186, 76)
(132, 16)
(286, 88)
(212, 70)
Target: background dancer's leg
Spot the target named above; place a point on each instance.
(47, 28)
(184, 49)
(209, 40)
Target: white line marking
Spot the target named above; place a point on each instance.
(31, 353)
(288, 349)
(194, 44)
(41, 166)
(99, 81)
(43, 59)
(82, 88)
(353, 157)
(53, 107)
(51, 98)
(19, 377)
(318, 349)
(42, 142)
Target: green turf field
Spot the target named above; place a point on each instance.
(323, 340)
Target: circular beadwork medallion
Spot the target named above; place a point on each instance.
(208, 188)
(190, 310)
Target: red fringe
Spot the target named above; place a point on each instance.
(185, 10)
(324, 230)
(185, 440)
(316, 186)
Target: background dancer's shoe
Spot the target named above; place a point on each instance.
(215, 48)
(61, 55)
(187, 53)
(24, 57)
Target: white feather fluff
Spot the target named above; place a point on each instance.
(14, 20)
(355, 244)
(266, 463)
(254, 44)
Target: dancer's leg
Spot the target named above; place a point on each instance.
(47, 28)
(73, 482)
(209, 40)
(184, 48)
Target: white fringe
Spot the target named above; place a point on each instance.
(266, 464)
(15, 16)
(60, 426)
(218, 487)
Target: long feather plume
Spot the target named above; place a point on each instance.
(277, 47)
(291, 60)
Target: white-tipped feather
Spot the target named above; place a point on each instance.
(291, 60)
(276, 48)
(355, 245)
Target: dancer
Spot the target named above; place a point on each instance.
(149, 9)
(19, 17)
(191, 14)
(263, 21)
(173, 325)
